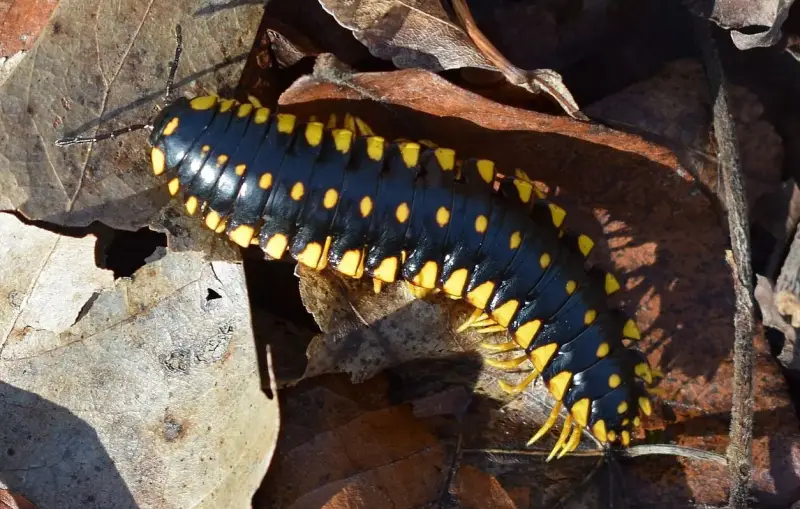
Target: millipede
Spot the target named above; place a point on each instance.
(347, 199)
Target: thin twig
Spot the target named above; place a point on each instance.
(741, 432)
(629, 452)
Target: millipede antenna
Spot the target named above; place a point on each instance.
(77, 140)
(173, 68)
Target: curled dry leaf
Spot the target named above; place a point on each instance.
(98, 68)
(644, 212)
(420, 33)
(141, 393)
(753, 23)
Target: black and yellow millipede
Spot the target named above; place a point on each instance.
(348, 200)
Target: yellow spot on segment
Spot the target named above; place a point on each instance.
(446, 158)
(265, 182)
(159, 160)
(614, 381)
(191, 205)
(585, 244)
(622, 407)
(297, 192)
(456, 282)
(314, 133)
(481, 223)
(212, 219)
(637, 422)
(330, 199)
(515, 240)
(558, 214)
(365, 206)
(286, 123)
(350, 262)
(480, 295)
(631, 331)
(387, 270)
(544, 261)
(203, 103)
(375, 148)
(611, 436)
(343, 139)
(205, 148)
(599, 430)
(602, 350)
(442, 216)
(625, 422)
(642, 370)
(221, 227)
(580, 411)
(486, 170)
(612, 285)
(244, 110)
(644, 404)
(242, 235)
(254, 101)
(542, 355)
(221, 160)
(626, 438)
(276, 245)
(240, 169)
(170, 128)
(174, 186)
(427, 276)
(226, 105)
(589, 317)
(505, 313)
(523, 185)
(559, 383)
(402, 212)
(261, 116)
(571, 286)
(526, 332)
(410, 153)
(310, 255)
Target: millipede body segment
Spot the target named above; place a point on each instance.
(401, 211)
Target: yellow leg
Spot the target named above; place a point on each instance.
(509, 364)
(500, 347)
(472, 318)
(349, 122)
(377, 284)
(547, 424)
(516, 389)
(490, 330)
(562, 438)
(363, 128)
(572, 443)
(483, 321)
(331, 121)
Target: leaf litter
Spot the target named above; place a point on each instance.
(151, 398)
(691, 418)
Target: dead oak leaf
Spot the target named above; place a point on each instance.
(151, 398)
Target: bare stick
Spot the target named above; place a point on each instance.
(741, 433)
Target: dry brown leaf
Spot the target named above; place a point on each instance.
(143, 393)
(674, 106)
(420, 33)
(98, 67)
(10, 500)
(640, 206)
